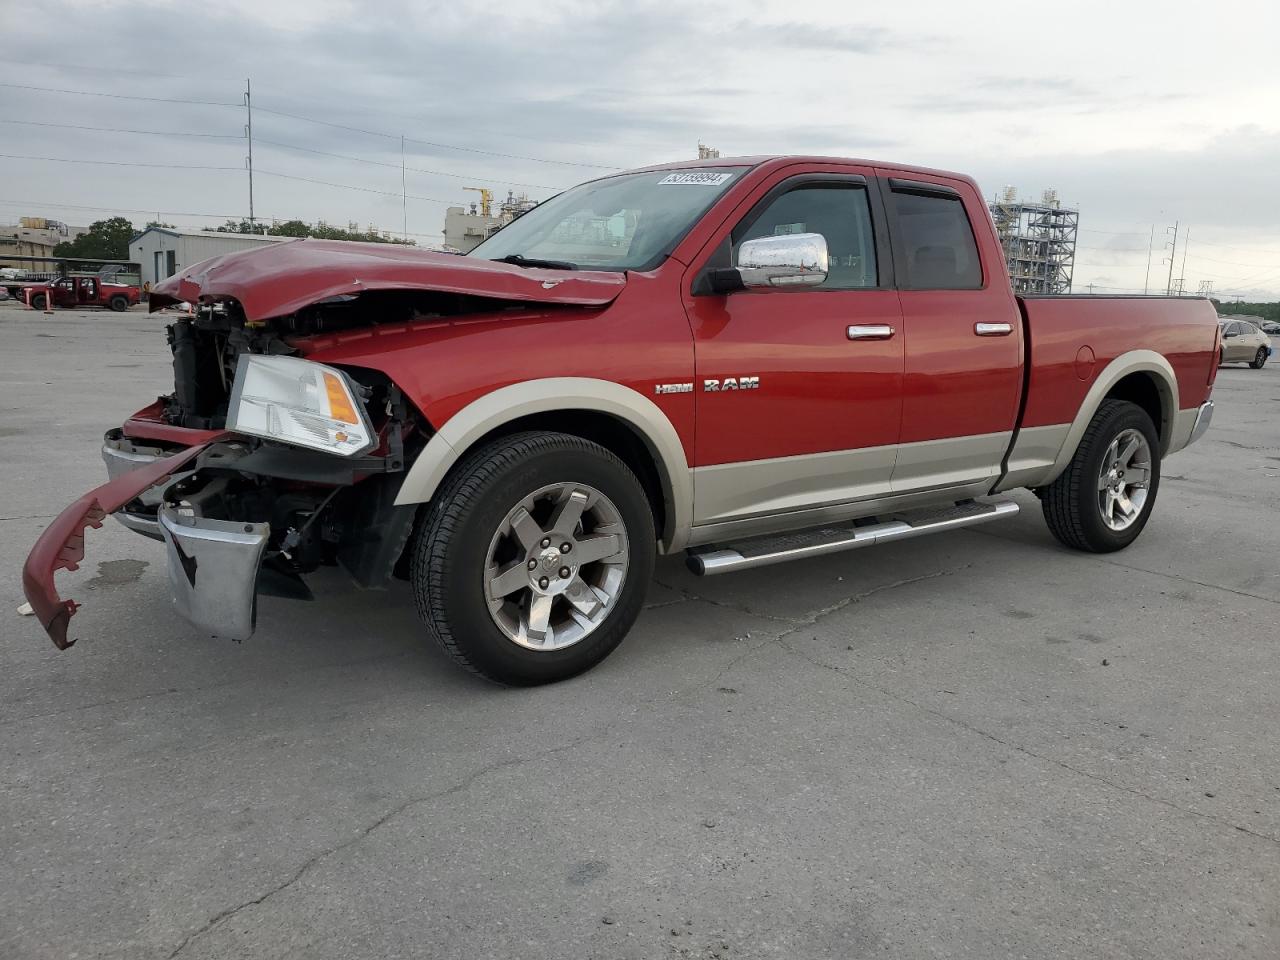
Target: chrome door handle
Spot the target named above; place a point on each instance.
(993, 329)
(871, 331)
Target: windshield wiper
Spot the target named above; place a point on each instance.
(522, 261)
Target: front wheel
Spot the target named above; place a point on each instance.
(1259, 358)
(1103, 499)
(39, 301)
(534, 559)
(119, 304)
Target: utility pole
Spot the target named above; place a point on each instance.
(1182, 280)
(248, 132)
(1146, 282)
(1173, 252)
(404, 198)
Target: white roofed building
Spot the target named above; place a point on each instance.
(164, 251)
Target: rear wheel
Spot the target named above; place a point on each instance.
(1103, 499)
(119, 303)
(1259, 358)
(535, 558)
(38, 301)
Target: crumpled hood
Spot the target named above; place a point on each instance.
(278, 279)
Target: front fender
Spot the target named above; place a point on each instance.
(491, 411)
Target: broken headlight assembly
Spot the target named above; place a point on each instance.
(299, 402)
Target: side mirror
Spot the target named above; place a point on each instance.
(793, 259)
(1228, 336)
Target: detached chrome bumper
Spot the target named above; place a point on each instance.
(213, 570)
(1204, 417)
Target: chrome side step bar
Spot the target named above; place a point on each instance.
(763, 551)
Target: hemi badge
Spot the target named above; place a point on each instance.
(673, 388)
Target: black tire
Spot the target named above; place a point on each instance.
(1259, 359)
(119, 304)
(1070, 503)
(38, 301)
(452, 545)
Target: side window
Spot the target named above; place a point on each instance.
(1230, 329)
(840, 213)
(937, 241)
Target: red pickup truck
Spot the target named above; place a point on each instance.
(78, 292)
(751, 360)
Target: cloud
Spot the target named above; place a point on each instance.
(630, 83)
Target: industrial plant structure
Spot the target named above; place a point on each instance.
(465, 228)
(1039, 240)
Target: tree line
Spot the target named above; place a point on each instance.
(1267, 311)
(109, 239)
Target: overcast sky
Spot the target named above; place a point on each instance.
(1141, 114)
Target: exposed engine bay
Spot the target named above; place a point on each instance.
(207, 345)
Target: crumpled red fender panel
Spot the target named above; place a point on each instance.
(61, 545)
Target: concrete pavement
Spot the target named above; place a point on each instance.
(974, 745)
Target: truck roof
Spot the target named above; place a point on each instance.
(784, 160)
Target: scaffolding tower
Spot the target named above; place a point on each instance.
(1039, 241)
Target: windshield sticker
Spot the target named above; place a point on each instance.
(706, 178)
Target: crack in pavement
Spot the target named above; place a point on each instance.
(463, 785)
(176, 691)
(1155, 573)
(725, 604)
(810, 619)
(666, 603)
(972, 728)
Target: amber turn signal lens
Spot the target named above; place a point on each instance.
(339, 405)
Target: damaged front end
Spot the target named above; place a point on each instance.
(301, 471)
(263, 464)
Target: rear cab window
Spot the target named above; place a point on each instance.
(934, 236)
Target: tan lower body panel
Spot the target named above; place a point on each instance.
(753, 488)
(766, 496)
(1035, 451)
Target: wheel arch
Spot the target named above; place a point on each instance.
(624, 421)
(1143, 377)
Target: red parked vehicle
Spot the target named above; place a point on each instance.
(79, 292)
(751, 360)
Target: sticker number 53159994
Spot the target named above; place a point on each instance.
(706, 178)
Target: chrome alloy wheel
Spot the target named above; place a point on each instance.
(1124, 479)
(555, 566)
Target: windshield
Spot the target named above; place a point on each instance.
(629, 222)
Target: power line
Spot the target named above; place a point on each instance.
(29, 204)
(119, 96)
(383, 163)
(1114, 233)
(327, 123)
(76, 66)
(1234, 263)
(152, 133)
(1231, 246)
(115, 163)
(433, 143)
(75, 206)
(388, 113)
(346, 186)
